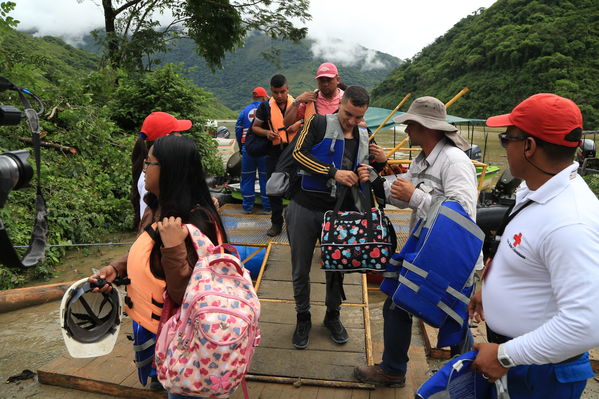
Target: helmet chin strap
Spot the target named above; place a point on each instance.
(539, 169)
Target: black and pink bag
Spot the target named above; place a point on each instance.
(356, 241)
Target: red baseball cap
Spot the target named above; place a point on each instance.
(259, 92)
(546, 116)
(326, 70)
(159, 124)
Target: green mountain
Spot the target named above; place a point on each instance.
(247, 68)
(504, 54)
(54, 60)
(57, 62)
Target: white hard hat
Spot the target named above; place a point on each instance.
(90, 321)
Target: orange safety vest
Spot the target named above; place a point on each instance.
(310, 108)
(276, 122)
(145, 292)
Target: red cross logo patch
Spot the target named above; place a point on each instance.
(517, 239)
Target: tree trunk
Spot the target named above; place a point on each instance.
(111, 36)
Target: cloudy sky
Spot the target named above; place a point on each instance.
(398, 27)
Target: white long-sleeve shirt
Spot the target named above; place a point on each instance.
(543, 285)
(446, 171)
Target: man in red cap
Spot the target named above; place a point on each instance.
(541, 286)
(323, 101)
(250, 164)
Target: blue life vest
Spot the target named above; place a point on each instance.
(432, 276)
(455, 380)
(144, 343)
(330, 150)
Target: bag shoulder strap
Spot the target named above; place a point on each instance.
(507, 218)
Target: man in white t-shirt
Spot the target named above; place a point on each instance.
(540, 290)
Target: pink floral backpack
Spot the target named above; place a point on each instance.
(206, 347)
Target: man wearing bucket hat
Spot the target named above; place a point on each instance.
(441, 169)
(541, 286)
(323, 101)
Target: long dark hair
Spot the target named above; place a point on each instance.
(183, 189)
(138, 155)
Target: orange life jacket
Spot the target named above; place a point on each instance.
(310, 109)
(276, 121)
(145, 292)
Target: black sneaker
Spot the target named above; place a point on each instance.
(302, 330)
(333, 323)
(275, 230)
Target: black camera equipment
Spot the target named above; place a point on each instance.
(15, 173)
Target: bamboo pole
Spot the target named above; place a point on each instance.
(23, 297)
(390, 115)
(397, 147)
(291, 301)
(298, 382)
(263, 267)
(399, 161)
(251, 255)
(456, 97)
(367, 333)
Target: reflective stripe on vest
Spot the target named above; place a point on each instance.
(330, 150)
(145, 291)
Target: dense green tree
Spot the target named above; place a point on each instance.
(87, 193)
(505, 53)
(217, 26)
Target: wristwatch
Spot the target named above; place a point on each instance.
(504, 359)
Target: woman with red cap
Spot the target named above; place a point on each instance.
(156, 125)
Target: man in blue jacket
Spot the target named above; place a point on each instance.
(250, 164)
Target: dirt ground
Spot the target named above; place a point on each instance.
(31, 338)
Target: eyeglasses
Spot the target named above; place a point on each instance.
(148, 163)
(505, 139)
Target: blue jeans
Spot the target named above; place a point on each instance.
(249, 166)
(397, 335)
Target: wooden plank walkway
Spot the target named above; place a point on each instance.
(306, 373)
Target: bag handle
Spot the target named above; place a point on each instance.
(202, 251)
(362, 201)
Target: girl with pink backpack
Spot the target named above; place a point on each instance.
(161, 261)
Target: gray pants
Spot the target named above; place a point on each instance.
(303, 230)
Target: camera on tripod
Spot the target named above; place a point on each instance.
(16, 173)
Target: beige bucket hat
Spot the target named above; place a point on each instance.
(431, 113)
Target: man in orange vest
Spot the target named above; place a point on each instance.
(269, 123)
(323, 101)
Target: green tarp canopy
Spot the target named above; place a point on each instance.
(375, 116)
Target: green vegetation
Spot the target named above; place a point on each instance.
(133, 34)
(593, 182)
(87, 193)
(504, 54)
(247, 68)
